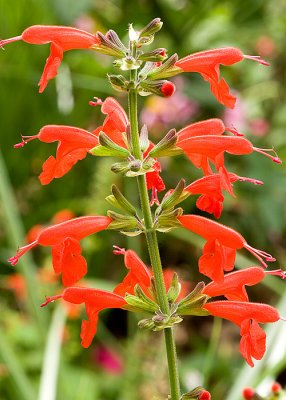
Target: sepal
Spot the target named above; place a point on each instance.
(166, 70)
(167, 220)
(154, 26)
(175, 289)
(120, 221)
(108, 148)
(133, 167)
(193, 303)
(108, 47)
(166, 146)
(156, 55)
(119, 201)
(140, 302)
(114, 38)
(143, 139)
(174, 198)
(118, 82)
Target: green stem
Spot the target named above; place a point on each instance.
(152, 242)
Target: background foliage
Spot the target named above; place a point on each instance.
(37, 345)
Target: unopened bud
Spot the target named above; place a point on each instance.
(276, 388)
(198, 393)
(166, 70)
(161, 88)
(118, 82)
(154, 56)
(108, 148)
(113, 37)
(166, 145)
(250, 394)
(154, 26)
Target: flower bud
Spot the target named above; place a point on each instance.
(193, 303)
(161, 88)
(166, 70)
(120, 221)
(156, 55)
(154, 26)
(118, 200)
(276, 388)
(108, 148)
(166, 146)
(198, 393)
(118, 82)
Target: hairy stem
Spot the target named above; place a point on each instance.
(152, 242)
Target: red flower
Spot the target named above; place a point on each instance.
(138, 273)
(220, 249)
(95, 300)
(213, 126)
(62, 38)
(202, 150)
(66, 251)
(74, 143)
(233, 285)
(207, 64)
(210, 187)
(247, 316)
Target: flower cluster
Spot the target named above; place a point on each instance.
(205, 144)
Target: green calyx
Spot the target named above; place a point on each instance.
(193, 303)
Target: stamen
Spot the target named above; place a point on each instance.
(118, 250)
(25, 140)
(260, 254)
(277, 272)
(251, 180)
(20, 252)
(51, 299)
(7, 41)
(275, 158)
(258, 59)
(95, 102)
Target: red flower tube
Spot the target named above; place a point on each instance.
(95, 300)
(233, 285)
(66, 251)
(220, 249)
(202, 150)
(74, 143)
(210, 187)
(207, 64)
(62, 38)
(247, 316)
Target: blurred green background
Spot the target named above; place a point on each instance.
(40, 353)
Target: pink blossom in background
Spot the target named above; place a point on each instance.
(266, 47)
(259, 127)
(236, 117)
(108, 360)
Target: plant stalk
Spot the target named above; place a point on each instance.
(152, 243)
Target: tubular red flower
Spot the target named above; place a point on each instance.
(247, 316)
(74, 143)
(66, 251)
(220, 249)
(213, 126)
(95, 300)
(210, 187)
(233, 285)
(62, 38)
(207, 64)
(202, 150)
